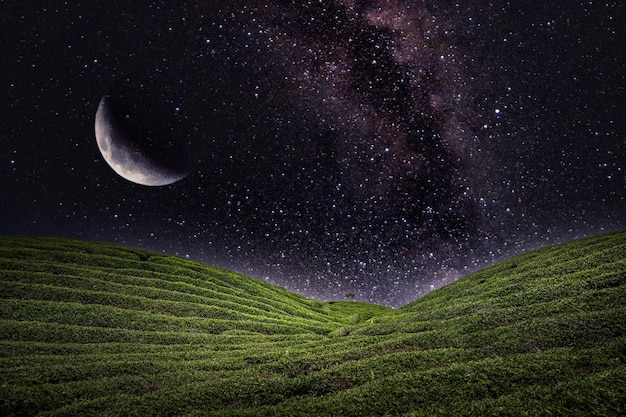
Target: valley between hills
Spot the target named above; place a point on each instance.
(97, 329)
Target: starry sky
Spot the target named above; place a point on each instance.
(365, 149)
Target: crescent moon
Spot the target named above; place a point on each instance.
(124, 155)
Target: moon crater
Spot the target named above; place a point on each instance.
(129, 157)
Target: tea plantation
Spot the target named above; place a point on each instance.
(97, 329)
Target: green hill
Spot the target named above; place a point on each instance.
(89, 328)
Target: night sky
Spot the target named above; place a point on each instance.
(379, 149)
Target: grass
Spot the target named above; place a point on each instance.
(97, 329)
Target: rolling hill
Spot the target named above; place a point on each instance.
(97, 329)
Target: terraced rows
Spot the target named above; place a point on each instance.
(91, 328)
(141, 290)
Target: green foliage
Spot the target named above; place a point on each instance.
(89, 328)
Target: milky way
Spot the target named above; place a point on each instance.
(372, 150)
(382, 173)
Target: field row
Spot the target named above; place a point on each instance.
(96, 329)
